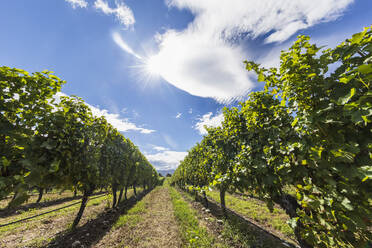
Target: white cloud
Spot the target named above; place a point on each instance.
(77, 3)
(135, 114)
(159, 148)
(202, 66)
(123, 45)
(122, 12)
(283, 17)
(190, 111)
(205, 59)
(208, 120)
(166, 160)
(178, 115)
(121, 124)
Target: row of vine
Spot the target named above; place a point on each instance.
(309, 129)
(49, 140)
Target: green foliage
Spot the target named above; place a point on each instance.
(24, 100)
(65, 150)
(333, 114)
(309, 129)
(48, 143)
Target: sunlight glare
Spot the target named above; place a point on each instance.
(154, 66)
(150, 69)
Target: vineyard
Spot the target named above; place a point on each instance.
(53, 141)
(303, 143)
(289, 167)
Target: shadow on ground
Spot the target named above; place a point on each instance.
(255, 235)
(17, 210)
(94, 230)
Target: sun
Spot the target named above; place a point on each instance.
(151, 69)
(154, 66)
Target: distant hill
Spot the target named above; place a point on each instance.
(165, 172)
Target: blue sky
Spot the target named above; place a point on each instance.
(159, 70)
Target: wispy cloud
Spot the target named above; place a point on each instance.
(120, 123)
(205, 59)
(124, 110)
(178, 115)
(121, 11)
(77, 3)
(159, 148)
(123, 45)
(208, 120)
(135, 114)
(166, 160)
(202, 65)
(281, 18)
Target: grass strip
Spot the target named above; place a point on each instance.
(133, 216)
(258, 211)
(191, 233)
(238, 233)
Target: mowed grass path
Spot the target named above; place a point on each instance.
(150, 223)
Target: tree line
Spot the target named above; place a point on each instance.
(309, 129)
(51, 141)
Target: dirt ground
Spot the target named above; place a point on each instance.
(39, 231)
(157, 226)
(148, 222)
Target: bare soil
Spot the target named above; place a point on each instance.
(157, 226)
(39, 231)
